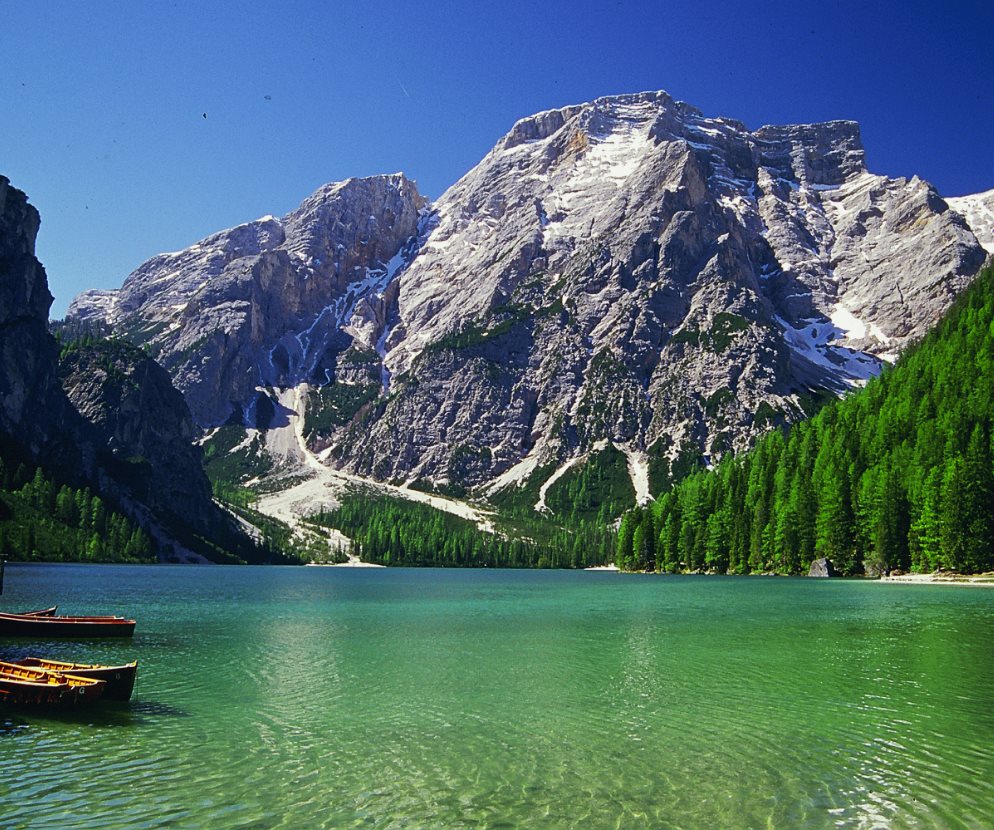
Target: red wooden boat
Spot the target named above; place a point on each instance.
(57, 628)
(42, 612)
(120, 680)
(20, 685)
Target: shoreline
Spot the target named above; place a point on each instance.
(981, 580)
(984, 580)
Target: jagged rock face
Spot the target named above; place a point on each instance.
(626, 271)
(633, 271)
(144, 423)
(263, 304)
(34, 415)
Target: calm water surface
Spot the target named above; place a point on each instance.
(318, 697)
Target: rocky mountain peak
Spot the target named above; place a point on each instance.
(814, 154)
(264, 303)
(626, 271)
(826, 154)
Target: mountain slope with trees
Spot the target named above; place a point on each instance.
(896, 476)
(96, 459)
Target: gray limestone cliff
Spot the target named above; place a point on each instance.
(263, 304)
(32, 408)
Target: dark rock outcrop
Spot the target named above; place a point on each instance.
(36, 421)
(143, 427)
(112, 421)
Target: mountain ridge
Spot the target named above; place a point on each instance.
(626, 270)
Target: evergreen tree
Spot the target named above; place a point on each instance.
(897, 475)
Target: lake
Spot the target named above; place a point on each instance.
(334, 697)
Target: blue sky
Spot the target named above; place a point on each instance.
(103, 104)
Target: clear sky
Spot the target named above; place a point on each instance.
(103, 104)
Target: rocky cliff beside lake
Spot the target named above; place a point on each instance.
(106, 417)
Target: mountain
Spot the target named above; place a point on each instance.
(101, 419)
(32, 406)
(263, 305)
(626, 273)
(897, 476)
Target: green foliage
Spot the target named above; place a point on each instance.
(767, 416)
(112, 355)
(356, 356)
(73, 329)
(520, 500)
(724, 329)
(230, 460)
(40, 520)
(278, 544)
(689, 335)
(714, 403)
(336, 405)
(896, 476)
(227, 467)
(659, 465)
(664, 472)
(392, 531)
(599, 489)
(574, 532)
(605, 367)
(462, 463)
(473, 335)
(140, 331)
(718, 338)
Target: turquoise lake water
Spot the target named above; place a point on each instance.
(320, 697)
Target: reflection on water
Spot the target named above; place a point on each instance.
(331, 697)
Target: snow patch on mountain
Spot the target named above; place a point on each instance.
(518, 474)
(978, 210)
(815, 342)
(540, 505)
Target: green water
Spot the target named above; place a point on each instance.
(318, 697)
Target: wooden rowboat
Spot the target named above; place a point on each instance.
(20, 685)
(43, 612)
(120, 680)
(26, 625)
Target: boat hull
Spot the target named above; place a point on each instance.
(58, 628)
(25, 686)
(119, 680)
